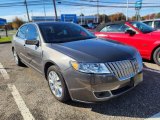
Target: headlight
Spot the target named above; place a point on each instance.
(139, 60)
(98, 68)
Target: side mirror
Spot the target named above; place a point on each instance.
(32, 42)
(130, 32)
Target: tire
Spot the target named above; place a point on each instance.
(156, 56)
(57, 86)
(17, 59)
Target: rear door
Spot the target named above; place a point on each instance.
(19, 42)
(34, 52)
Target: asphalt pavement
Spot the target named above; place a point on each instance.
(24, 94)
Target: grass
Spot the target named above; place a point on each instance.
(5, 39)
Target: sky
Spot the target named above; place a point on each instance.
(11, 12)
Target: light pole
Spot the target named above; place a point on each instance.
(127, 10)
(55, 9)
(25, 2)
(81, 16)
(44, 9)
(31, 14)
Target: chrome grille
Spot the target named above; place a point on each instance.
(123, 69)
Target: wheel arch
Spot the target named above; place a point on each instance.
(47, 65)
(154, 51)
(51, 63)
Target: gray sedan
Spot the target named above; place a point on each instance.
(76, 64)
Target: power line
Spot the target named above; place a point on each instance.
(68, 3)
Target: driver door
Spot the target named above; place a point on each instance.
(114, 32)
(34, 52)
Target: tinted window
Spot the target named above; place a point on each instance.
(22, 32)
(32, 33)
(142, 27)
(63, 32)
(148, 23)
(115, 28)
(157, 24)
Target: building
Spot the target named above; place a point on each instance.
(65, 17)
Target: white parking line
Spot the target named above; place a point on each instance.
(154, 117)
(20, 103)
(151, 70)
(18, 99)
(4, 72)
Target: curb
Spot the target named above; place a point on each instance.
(5, 42)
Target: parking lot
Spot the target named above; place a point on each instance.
(10, 33)
(24, 94)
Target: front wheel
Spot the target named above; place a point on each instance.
(156, 56)
(57, 84)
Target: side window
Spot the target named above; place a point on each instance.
(148, 23)
(124, 28)
(157, 24)
(32, 33)
(22, 32)
(115, 28)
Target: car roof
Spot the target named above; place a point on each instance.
(151, 20)
(100, 26)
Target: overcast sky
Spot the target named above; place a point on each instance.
(10, 12)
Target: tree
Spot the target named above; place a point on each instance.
(17, 22)
(117, 17)
(103, 18)
(158, 15)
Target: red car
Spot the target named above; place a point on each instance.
(136, 34)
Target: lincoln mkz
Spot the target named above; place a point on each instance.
(76, 64)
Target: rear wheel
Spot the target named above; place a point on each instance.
(156, 56)
(57, 84)
(17, 59)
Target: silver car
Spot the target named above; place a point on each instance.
(77, 65)
(155, 23)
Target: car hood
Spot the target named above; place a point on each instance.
(95, 50)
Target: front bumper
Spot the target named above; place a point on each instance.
(92, 88)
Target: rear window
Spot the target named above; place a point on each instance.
(148, 23)
(157, 24)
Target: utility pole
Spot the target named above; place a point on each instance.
(127, 11)
(25, 2)
(55, 10)
(97, 11)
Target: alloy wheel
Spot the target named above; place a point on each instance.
(55, 84)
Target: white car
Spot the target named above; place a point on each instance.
(155, 23)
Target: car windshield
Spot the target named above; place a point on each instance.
(142, 27)
(64, 32)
